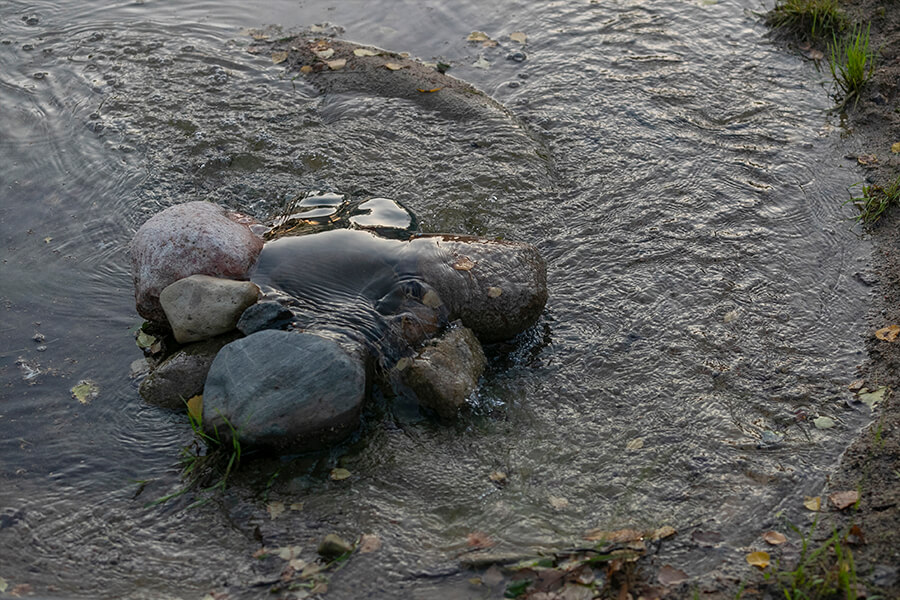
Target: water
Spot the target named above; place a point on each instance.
(676, 169)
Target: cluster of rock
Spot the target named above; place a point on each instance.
(284, 339)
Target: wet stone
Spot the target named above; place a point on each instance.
(264, 315)
(333, 546)
(200, 307)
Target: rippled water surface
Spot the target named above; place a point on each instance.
(675, 168)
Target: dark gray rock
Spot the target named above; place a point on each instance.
(263, 315)
(446, 371)
(282, 389)
(183, 374)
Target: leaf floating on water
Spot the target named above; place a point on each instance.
(403, 363)
(635, 444)
(499, 477)
(47, 240)
(364, 52)
(872, 398)
(463, 263)
(481, 63)
(279, 57)
(431, 91)
(774, 538)
(816, 54)
(306, 69)
(614, 537)
(478, 36)
(494, 292)
(339, 474)
(394, 66)
(730, 316)
(842, 500)
(288, 552)
(275, 509)
(369, 542)
(336, 65)
(479, 539)
(663, 532)
(145, 340)
(297, 506)
(3, 585)
(558, 503)
(889, 333)
(856, 385)
(85, 391)
(758, 559)
(518, 36)
(823, 422)
(669, 575)
(325, 54)
(895, 148)
(195, 408)
(813, 503)
(866, 159)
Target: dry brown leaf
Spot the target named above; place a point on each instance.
(279, 57)
(663, 532)
(813, 503)
(758, 559)
(889, 333)
(774, 538)
(306, 69)
(842, 500)
(857, 385)
(336, 65)
(635, 444)
(394, 66)
(614, 537)
(498, 477)
(895, 148)
(855, 535)
(866, 159)
(369, 542)
(195, 408)
(364, 52)
(478, 36)
(463, 263)
(274, 509)
(431, 91)
(479, 539)
(669, 575)
(816, 54)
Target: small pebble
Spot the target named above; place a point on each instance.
(39, 75)
(517, 56)
(41, 348)
(31, 19)
(39, 337)
(513, 84)
(27, 46)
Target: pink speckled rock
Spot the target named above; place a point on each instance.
(195, 238)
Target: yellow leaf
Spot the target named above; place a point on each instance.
(85, 391)
(463, 263)
(336, 65)
(498, 477)
(889, 333)
(275, 509)
(431, 91)
(195, 408)
(866, 159)
(279, 57)
(306, 69)
(518, 36)
(338, 474)
(431, 299)
(478, 36)
(774, 538)
(297, 506)
(494, 292)
(394, 66)
(758, 559)
(895, 148)
(364, 52)
(813, 503)
(842, 500)
(635, 444)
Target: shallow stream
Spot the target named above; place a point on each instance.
(676, 168)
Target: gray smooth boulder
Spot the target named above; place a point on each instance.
(195, 238)
(446, 371)
(200, 307)
(183, 374)
(282, 389)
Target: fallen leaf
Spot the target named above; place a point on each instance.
(857, 385)
(857, 533)
(663, 532)
(3, 585)
(866, 159)
(279, 57)
(275, 509)
(872, 398)
(479, 539)
(813, 503)
(364, 52)
(669, 575)
(85, 391)
(498, 477)
(889, 333)
(635, 444)
(259, 554)
(774, 538)
(478, 36)
(297, 506)
(494, 292)
(816, 54)
(297, 564)
(306, 69)
(325, 54)
(394, 66)
(707, 538)
(288, 552)
(336, 65)
(369, 542)
(481, 63)
(730, 316)
(614, 537)
(431, 91)
(195, 408)
(758, 559)
(404, 363)
(895, 148)
(23, 589)
(558, 503)
(339, 474)
(823, 422)
(47, 240)
(431, 299)
(518, 36)
(463, 263)
(842, 500)
(145, 340)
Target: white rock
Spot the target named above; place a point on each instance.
(200, 307)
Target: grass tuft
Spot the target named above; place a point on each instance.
(852, 62)
(813, 19)
(875, 200)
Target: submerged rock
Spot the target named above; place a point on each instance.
(446, 371)
(200, 307)
(195, 238)
(183, 374)
(284, 389)
(333, 545)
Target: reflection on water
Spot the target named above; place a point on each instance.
(675, 170)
